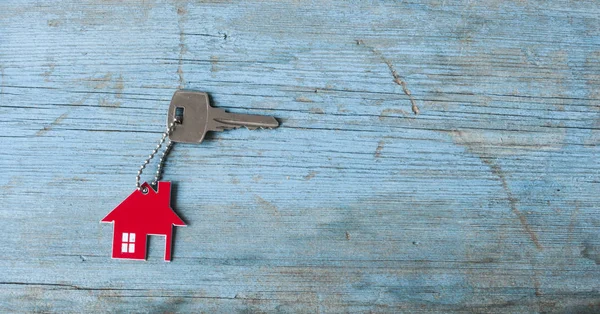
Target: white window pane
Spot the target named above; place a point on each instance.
(131, 247)
(124, 248)
(125, 237)
(132, 237)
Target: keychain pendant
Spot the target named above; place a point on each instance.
(145, 212)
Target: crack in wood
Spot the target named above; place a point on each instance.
(397, 78)
(181, 12)
(497, 170)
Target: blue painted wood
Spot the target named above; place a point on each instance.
(484, 201)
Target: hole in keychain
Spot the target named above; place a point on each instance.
(179, 114)
(145, 189)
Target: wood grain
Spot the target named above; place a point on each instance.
(434, 156)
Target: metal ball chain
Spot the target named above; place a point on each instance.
(161, 161)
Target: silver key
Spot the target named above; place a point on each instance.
(195, 117)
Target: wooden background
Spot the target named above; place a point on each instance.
(433, 156)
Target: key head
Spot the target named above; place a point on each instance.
(192, 107)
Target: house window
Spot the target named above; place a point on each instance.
(128, 245)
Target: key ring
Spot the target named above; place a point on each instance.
(161, 161)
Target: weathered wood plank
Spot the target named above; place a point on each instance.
(484, 201)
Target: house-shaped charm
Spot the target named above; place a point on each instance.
(142, 214)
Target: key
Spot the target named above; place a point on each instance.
(195, 117)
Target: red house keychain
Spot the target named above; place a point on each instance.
(140, 215)
(147, 211)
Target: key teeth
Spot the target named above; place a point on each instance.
(235, 123)
(259, 128)
(231, 127)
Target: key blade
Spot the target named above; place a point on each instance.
(252, 122)
(222, 120)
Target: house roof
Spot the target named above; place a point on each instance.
(152, 208)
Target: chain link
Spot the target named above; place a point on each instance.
(161, 161)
